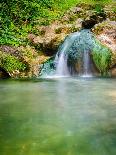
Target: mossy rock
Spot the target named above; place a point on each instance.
(11, 64)
(105, 32)
(21, 62)
(102, 58)
(48, 67)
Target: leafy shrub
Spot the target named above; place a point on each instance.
(11, 63)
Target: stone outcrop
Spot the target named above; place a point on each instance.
(106, 33)
(52, 36)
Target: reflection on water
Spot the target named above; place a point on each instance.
(58, 117)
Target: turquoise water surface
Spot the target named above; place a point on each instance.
(65, 116)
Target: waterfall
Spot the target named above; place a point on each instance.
(73, 56)
(76, 47)
(61, 57)
(86, 64)
(62, 68)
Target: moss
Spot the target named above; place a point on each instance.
(10, 63)
(48, 67)
(102, 58)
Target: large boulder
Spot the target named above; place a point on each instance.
(105, 32)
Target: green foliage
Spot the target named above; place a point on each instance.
(99, 8)
(101, 58)
(114, 10)
(18, 17)
(11, 63)
(28, 53)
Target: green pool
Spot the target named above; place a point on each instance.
(65, 116)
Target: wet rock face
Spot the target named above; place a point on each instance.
(3, 74)
(88, 55)
(93, 19)
(88, 24)
(77, 48)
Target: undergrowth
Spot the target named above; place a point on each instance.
(18, 18)
(10, 63)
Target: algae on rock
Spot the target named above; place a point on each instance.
(102, 58)
(48, 67)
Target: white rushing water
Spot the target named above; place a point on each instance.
(86, 64)
(73, 56)
(62, 67)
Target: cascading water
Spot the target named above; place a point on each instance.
(86, 64)
(62, 68)
(73, 56)
(75, 51)
(61, 57)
